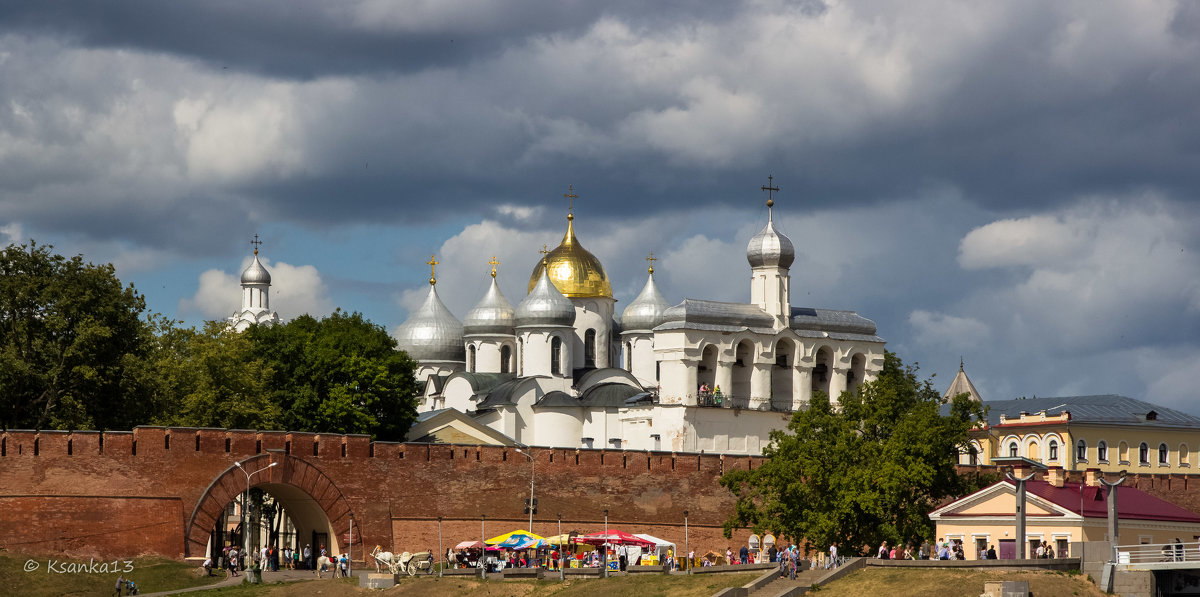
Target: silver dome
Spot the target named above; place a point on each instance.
(770, 248)
(545, 305)
(432, 333)
(256, 273)
(493, 315)
(646, 311)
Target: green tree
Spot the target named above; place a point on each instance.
(866, 472)
(340, 374)
(71, 338)
(209, 378)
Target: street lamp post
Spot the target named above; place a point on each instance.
(685, 542)
(246, 502)
(440, 552)
(561, 561)
(605, 560)
(350, 549)
(530, 508)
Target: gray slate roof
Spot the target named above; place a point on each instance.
(1108, 409)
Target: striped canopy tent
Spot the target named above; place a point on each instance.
(615, 537)
(519, 539)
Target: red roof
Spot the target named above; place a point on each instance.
(1132, 503)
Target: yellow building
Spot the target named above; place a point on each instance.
(1059, 512)
(1109, 433)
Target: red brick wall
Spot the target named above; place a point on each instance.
(83, 493)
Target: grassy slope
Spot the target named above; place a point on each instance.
(911, 582)
(150, 574)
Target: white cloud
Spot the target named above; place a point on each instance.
(217, 296)
(13, 233)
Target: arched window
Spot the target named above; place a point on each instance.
(629, 356)
(1123, 452)
(505, 356)
(520, 356)
(589, 348)
(1183, 454)
(471, 358)
(1102, 451)
(1081, 450)
(556, 356)
(1012, 449)
(1144, 453)
(1162, 454)
(1052, 450)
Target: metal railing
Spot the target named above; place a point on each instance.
(713, 400)
(1158, 555)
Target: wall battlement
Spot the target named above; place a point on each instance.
(190, 442)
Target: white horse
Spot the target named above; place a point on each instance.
(322, 562)
(383, 558)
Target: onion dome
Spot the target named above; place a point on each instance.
(545, 305)
(573, 270)
(646, 311)
(492, 315)
(770, 248)
(432, 333)
(256, 273)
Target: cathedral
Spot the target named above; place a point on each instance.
(563, 369)
(256, 296)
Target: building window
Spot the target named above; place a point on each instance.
(1162, 454)
(1144, 454)
(505, 356)
(1123, 453)
(1052, 450)
(471, 358)
(1183, 454)
(556, 356)
(520, 356)
(1102, 451)
(1012, 449)
(1081, 451)
(973, 455)
(589, 348)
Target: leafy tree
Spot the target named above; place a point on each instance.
(866, 472)
(340, 374)
(70, 338)
(209, 378)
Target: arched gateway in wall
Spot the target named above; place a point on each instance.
(314, 503)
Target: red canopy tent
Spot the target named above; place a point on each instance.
(614, 537)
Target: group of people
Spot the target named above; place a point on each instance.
(938, 551)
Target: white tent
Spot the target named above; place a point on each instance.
(660, 545)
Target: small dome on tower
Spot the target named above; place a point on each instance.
(646, 311)
(492, 315)
(256, 273)
(770, 247)
(545, 305)
(432, 333)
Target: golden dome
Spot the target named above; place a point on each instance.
(574, 271)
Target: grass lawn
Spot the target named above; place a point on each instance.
(916, 582)
(643, 585)
(56, 576)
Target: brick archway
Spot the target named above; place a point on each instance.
(290, 471)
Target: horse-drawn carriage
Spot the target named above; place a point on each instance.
(403, 563)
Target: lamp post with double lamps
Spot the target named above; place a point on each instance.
(531, 507)
(246, 503)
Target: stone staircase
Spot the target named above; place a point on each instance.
(786, 586)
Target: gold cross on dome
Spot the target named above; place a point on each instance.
(494, 262)
(545, 251)
(432, 263)
(257, 243)
(571, 196)
(652, 259)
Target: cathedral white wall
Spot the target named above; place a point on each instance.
(488, 350)
(536, 349)
(457, 394)
(558, 427)
(770, 291)
(594, 314)
(642, 362)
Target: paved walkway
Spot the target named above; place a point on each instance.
(268, 577)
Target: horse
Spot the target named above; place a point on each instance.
(382, 558)
(322, 562)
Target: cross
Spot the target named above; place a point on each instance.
(545, 251)
(770, 188)
(652, 259)
(570, 194)
(494, 262)
(432, 263)
(256, 243)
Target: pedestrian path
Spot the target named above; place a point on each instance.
(268, 578)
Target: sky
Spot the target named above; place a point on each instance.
(1009, 183)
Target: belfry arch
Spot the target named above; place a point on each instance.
(312, 500)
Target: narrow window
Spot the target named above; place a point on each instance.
(589, 348)
(1144, 453)
(1183, 454)
(70, 447)
(505, 356)
(1162, 454)
(1102, 451)
(1081, 451)
(471, 358)
(1012, 450)
(556, 356)
(1053, 450)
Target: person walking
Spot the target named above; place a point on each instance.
(832, 561)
